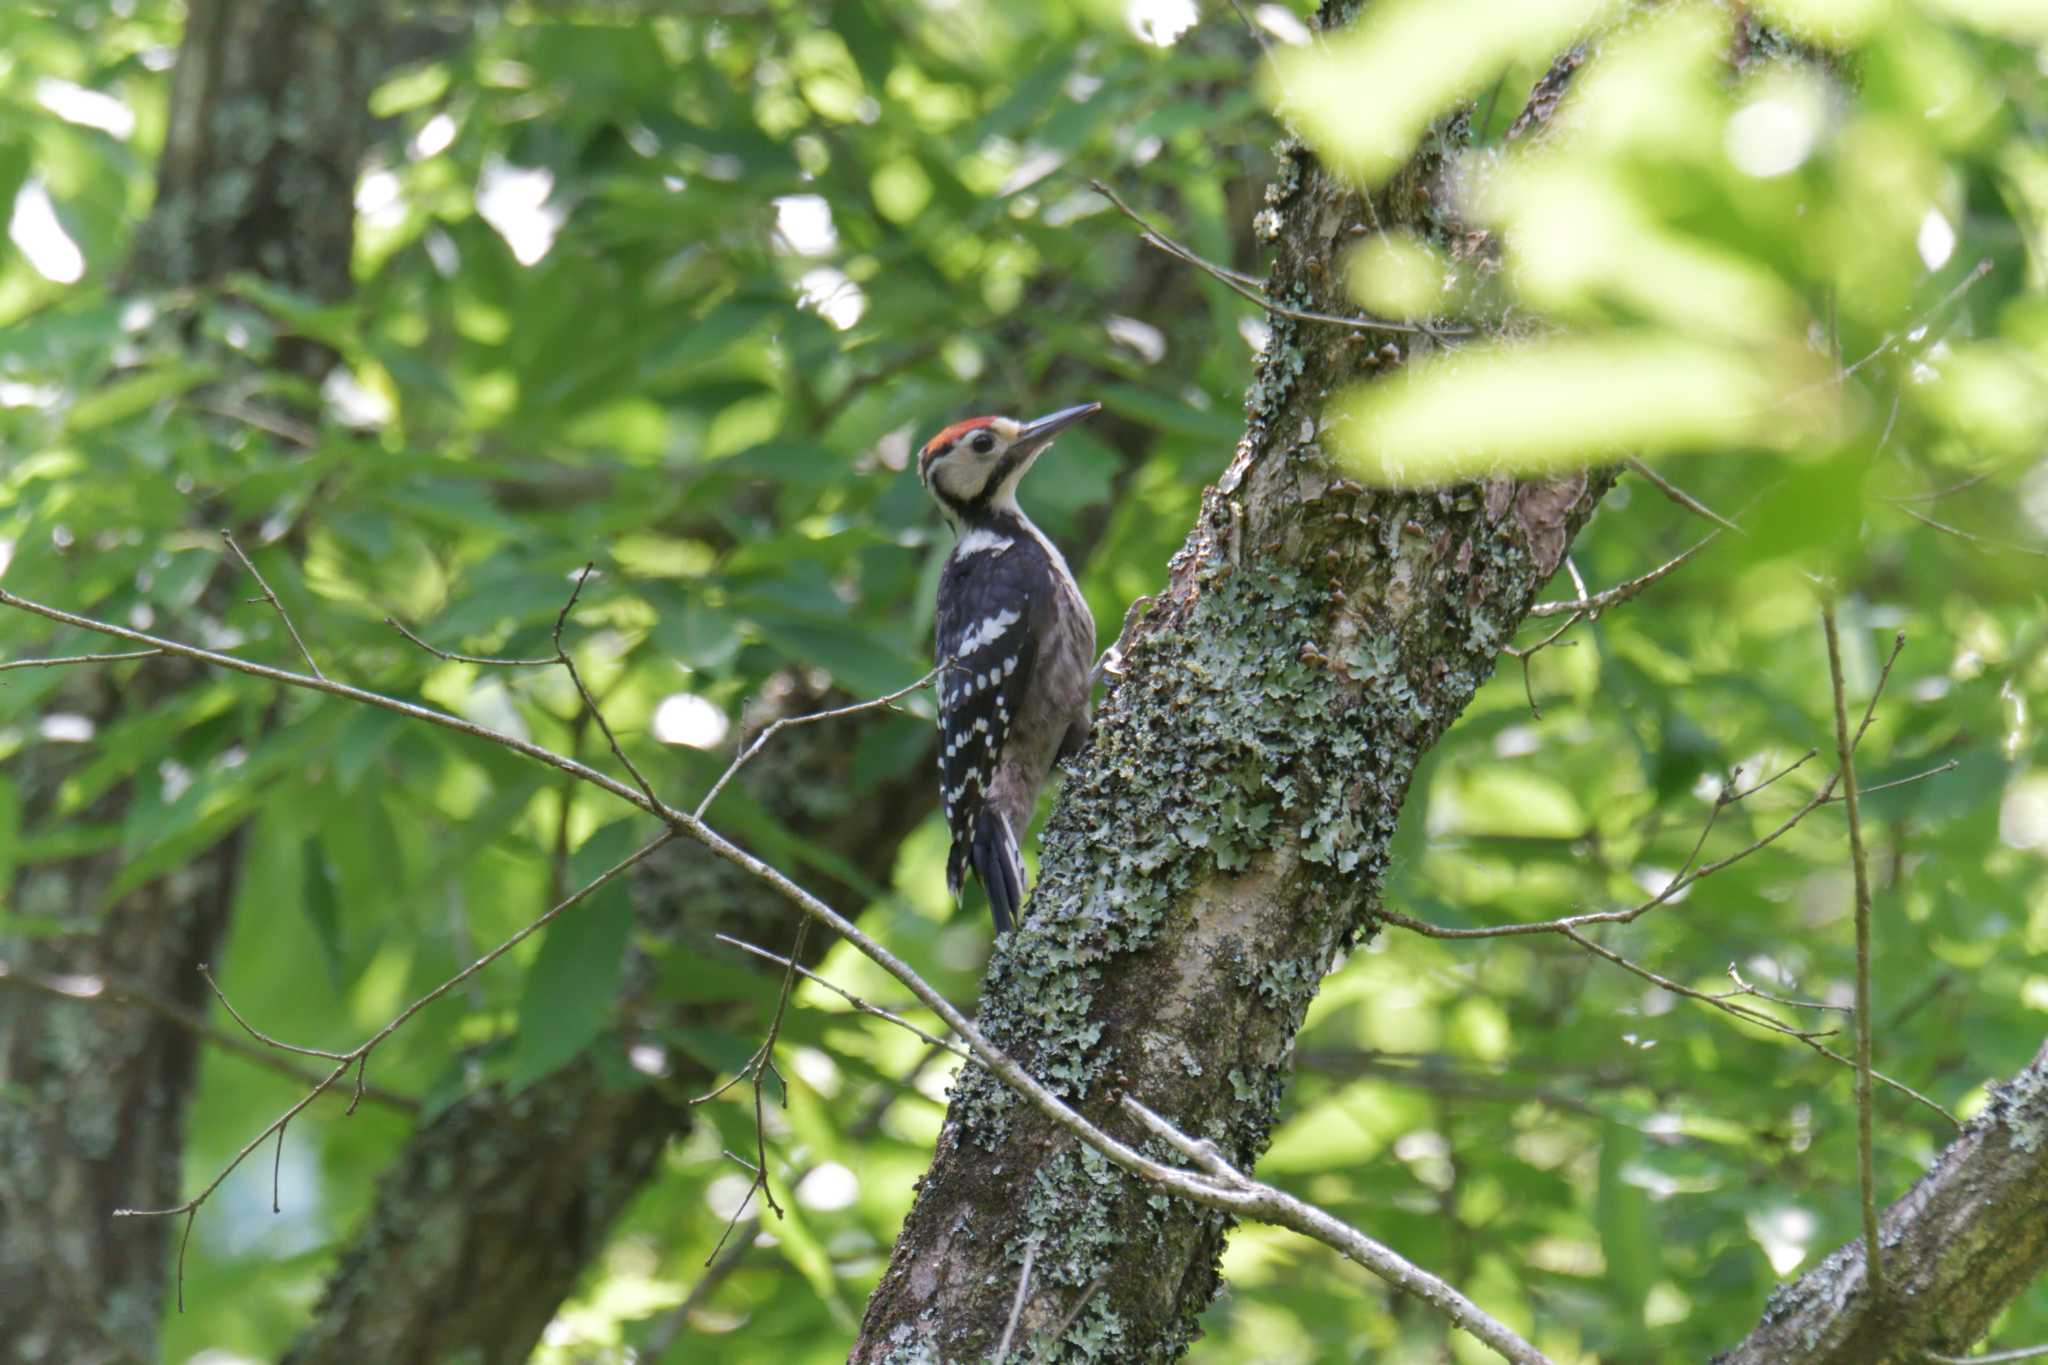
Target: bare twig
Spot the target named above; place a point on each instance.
(1890, 343)
(1591, 606)
(70, 659)
(1936, 771)
(1681, 497)
(1936, 495)
(452, 657)
(263, 419)
(1845, 753)
(258, 1034)
(1985, 543)
(739, 1242)
(1745, 988)
(1272, 1205)
(1528, 652)
(758, 1069)
(1685, 877)
(1017, 1304)
(1247, 287)
(275, 605)
(427, 714)
(771, 730)
(590, 703)
(863, 1006)
(1809, 1038)
(100, 989)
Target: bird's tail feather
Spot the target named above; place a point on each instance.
(999, 867)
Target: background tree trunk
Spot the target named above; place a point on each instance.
(268, 124)
(1222, 839)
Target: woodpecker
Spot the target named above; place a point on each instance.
(1016, 643)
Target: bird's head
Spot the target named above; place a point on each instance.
(972, 468)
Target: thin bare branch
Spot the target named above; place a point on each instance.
(1743, 987)
(1592, 606)
(264, 419)
(1247, 287)
(275, 604)
(1684, 879)
(1937, 494)
(1936, 771)
(590, 703)
(770, 731)
(70, 659)
(1809, 1038)
(1272, 1205)
(1017, 1304)
(1890, 343)
(526, 748)
(863, 1006)
(256, 1033)
(1845, 753)
(452, 657)
(100, 989)
(1681, 497)
(1985, 543)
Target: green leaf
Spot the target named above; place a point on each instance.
(411, 88)
(125, 398)
(572, 988)
(322, 902)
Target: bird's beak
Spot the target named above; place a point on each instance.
(1036, 436)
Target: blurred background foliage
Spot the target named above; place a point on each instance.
(680, 294)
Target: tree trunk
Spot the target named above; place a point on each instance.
(268, 120)
(1222, 839)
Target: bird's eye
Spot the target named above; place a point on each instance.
(984, 443)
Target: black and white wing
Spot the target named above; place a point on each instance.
(992, 608)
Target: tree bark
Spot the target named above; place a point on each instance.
(1958, 1247)
(1221, 840)
(268, 121)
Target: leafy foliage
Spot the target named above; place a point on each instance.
(678, 295)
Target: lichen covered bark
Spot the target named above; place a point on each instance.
(1958, 1247)
(1222, 839)
(480, 1233)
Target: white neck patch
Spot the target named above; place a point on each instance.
(982, 539)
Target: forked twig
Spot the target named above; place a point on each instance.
(775, 727)
(275, 604)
